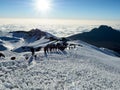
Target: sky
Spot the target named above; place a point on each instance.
(62, 9)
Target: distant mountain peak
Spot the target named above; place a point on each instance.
(32, 35)
(103, 28)
(103, 36)
(35, 32)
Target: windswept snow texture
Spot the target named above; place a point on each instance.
(82, 68)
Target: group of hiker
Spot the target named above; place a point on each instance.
(59, 46)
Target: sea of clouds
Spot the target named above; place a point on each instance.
(60, 30)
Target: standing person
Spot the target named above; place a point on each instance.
(35, 57)
(32, 57)
(45, 52)
(32, 50)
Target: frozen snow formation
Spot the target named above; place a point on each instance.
(82, 68)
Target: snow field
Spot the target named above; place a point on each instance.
(83, 68)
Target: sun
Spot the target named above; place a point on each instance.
(42, 5)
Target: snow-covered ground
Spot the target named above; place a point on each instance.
(82, 68)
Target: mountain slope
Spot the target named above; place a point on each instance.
(16, 39)
(104, 36)
(32, 35)
(82, 68)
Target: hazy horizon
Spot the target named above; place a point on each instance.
(60, 28)
(57, 21)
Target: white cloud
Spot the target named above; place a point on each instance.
(59, 28)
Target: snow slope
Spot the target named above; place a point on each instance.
(82, 68)
(16, 39)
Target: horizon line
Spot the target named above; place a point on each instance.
(56, 21)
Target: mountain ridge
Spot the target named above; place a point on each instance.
(103, 36)
(16, 39)
(34, 34)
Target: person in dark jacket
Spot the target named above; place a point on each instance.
(32, 50)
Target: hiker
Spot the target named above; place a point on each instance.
(33, 57)
(46, 50)
(32, 50)
(72, 46)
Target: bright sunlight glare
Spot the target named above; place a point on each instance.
(42, 5)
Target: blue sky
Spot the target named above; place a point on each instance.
(63, 9)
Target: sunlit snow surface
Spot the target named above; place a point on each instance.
(82, 68)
